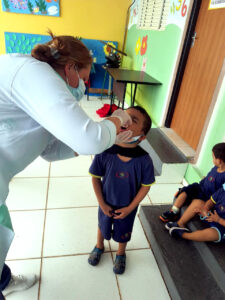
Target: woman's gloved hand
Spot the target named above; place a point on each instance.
(123, 137)
(124, 117)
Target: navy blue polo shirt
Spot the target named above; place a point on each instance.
(121, 180)
(212, 182)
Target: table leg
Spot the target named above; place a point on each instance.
(124, 94)
(134, 94)
(109, 87)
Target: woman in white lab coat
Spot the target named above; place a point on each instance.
(40, 116)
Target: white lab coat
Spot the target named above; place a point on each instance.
(39, 116)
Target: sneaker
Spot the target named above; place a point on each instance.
(169, 216)
(178, 231)
(95, 256)
(170, 225)
(119, 264)
(19, 283)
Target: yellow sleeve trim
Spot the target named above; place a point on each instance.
(213, 200)
(95, 176)
(148, 184)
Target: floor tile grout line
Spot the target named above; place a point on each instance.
(43, 233)
(73, 255)
(117, 281)
(53, 208)
(145, 232)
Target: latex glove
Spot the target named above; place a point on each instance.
(124, 117)
(123, 136)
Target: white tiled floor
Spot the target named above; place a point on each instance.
(54, 213)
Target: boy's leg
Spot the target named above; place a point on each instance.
(180, 200)
(174, 213)
(205, 235)
(189, 212)
(100, 239)
(121, 248)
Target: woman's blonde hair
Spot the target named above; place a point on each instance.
(62, 50)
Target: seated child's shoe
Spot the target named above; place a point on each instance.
(95, 256)
(178, 231)
(119, 264)
(19, 283)
(169, 216)
(170, 225)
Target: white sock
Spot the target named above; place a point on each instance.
(175, 209)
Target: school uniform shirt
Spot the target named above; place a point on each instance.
(219, 200)
(212, 182)
(121, 180)
(40, 116)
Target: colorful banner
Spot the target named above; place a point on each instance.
(34, 7)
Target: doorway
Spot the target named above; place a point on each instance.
(200, 76)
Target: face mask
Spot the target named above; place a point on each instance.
(78, 92)
(134, 139)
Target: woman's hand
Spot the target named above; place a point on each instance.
(107, 210)
(123, 137)
(122, 213)
(124, 117)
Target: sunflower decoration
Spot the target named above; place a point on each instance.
(108, 49)
(138, 46)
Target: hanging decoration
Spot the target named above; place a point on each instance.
(34, 7)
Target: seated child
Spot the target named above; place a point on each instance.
(127, 174)
(214, 220)
(202, 190)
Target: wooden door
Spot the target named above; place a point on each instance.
(201, 74)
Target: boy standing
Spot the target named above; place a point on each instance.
(127, 173)
(202, 190)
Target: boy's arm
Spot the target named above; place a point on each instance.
(139, 197)
(97, 185)
(125, 211)
(208, 205)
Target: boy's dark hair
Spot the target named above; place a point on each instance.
(147, 120)
(219, 151)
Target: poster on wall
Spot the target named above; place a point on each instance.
(178, 12)
(215, 4)
(33, 7)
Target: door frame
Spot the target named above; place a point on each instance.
(183, 60)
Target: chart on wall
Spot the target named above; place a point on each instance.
(34, 7)
(24, 43)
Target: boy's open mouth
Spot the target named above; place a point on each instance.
(123, 129)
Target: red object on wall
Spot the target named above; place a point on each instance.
(144, 45)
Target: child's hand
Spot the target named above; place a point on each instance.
(213, 217)
(122, 213)
(107, 210)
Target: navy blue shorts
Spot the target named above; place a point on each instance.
(193, 191)
(119, 229)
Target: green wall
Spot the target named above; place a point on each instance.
(161, 55)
